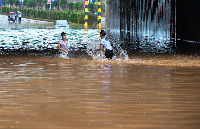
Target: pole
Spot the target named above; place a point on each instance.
(86, 14)
(99, 14)
(1, 6)
(22, 8)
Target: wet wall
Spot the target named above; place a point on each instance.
(153, 25)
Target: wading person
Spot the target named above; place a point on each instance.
(19, 17)
(106, 44)
(16, 17)
(63, 46)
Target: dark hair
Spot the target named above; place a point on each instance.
(63, 33)
(103, 32)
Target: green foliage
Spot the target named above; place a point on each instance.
(34, 13)
(44, 14)
(7, 10)
(11, 2)
(66, 15)
(63, 4)
(28, 12)
(4, 2)
(51, 14)
(78, 5)
(25, 3)
(92, 18)
(71, 16)
(102, 7)
(62, 15)
(81, 18)
(70, 6)
(58, 15)
(93, 7)
(47, 14)
(38, 14)
(29, 3)
(38, 2)
(16, 2)
(54, 15)
(55, 3)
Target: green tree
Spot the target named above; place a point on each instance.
(70, 6)
(103, 7)
(4, 2)
(55, 4)
(26, 3)
(92, 7)
(32, 3)
(44, 3)
(78, 5)
(11, 2)
(38, 2)
(63, 4)
(16, 2)
(29, 3)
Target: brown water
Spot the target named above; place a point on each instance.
(51, 93)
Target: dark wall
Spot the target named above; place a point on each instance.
(188, 19)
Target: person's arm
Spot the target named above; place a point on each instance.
(58, 47)
(66, 49)
(100, 48)
(68, 45)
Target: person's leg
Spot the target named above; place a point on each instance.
(109, 54)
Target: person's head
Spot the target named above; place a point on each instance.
(102, 33)
(63, 35)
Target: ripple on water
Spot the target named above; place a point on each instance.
(142, 92)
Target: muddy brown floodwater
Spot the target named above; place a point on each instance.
(141, 93)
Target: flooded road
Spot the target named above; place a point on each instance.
(52, 93)
(84, 92)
